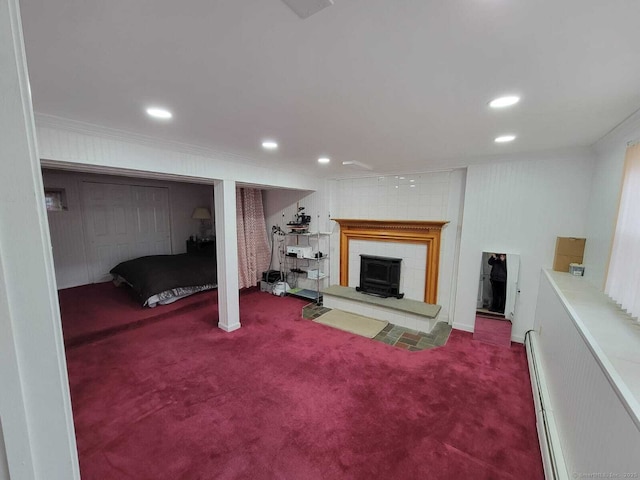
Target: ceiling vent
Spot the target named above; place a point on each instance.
(353, 163)
(306, 8)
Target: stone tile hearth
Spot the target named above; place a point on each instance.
(396, 335)
(411, 314)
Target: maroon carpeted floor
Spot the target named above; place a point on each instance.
(286, 398)
(94, 311)
(496, 331)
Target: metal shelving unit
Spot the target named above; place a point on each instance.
(314, 266)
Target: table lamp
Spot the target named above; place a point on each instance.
(202, 214)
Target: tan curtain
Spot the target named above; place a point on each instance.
(253, 245)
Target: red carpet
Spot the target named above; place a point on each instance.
(496, 331)
(288, 398)
(94, 311)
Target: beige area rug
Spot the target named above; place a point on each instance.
(350, 322)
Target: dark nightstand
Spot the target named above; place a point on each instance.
(206, 248)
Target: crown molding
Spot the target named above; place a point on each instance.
(85, 128)
(419, 225)
(627, 131)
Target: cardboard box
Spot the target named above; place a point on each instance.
(568, 250)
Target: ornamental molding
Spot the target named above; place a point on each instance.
(391, 224)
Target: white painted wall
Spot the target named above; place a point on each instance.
(591, 374)
(435, 196)
(420, 196)
(4, 467)
(280, 206)
(68, 234)
(35, 408)
(183, 198)
(79, 146)
(520, 207)
(605, 193)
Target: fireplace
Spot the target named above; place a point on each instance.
(380, 276)
(421, 232)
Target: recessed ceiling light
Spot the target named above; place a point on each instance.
(269, 145)
(156, 112)
(324, 160)
(502, 102)
(505, 138)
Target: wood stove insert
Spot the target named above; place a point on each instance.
(380, 276)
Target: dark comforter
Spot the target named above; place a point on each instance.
(155, 274)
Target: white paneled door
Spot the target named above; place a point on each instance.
(123, 222)
(151, 217)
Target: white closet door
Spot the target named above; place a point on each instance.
(109, 227)
(123, 222)
(513, 277)
(151, 212)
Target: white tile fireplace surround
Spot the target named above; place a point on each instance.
(412, 268)
(416, 242)
(411, 240)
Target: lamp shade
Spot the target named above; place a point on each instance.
(201, 213)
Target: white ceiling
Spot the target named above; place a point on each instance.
(401, 85)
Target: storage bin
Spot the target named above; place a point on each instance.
(576, 269)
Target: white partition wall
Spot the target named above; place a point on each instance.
(227, 255)
(520, 207)
(35, 408)
(583, 341)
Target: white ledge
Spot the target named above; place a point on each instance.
(611, 334)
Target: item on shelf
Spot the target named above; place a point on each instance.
(576, 269)
(301, 222)
(299, 252)
(281, 288)
(315, 274)
(271, 276)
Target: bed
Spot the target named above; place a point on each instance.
(163, 279)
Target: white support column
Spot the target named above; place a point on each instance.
(224, 193)
(35, 408)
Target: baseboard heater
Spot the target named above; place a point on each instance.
(552, 457)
